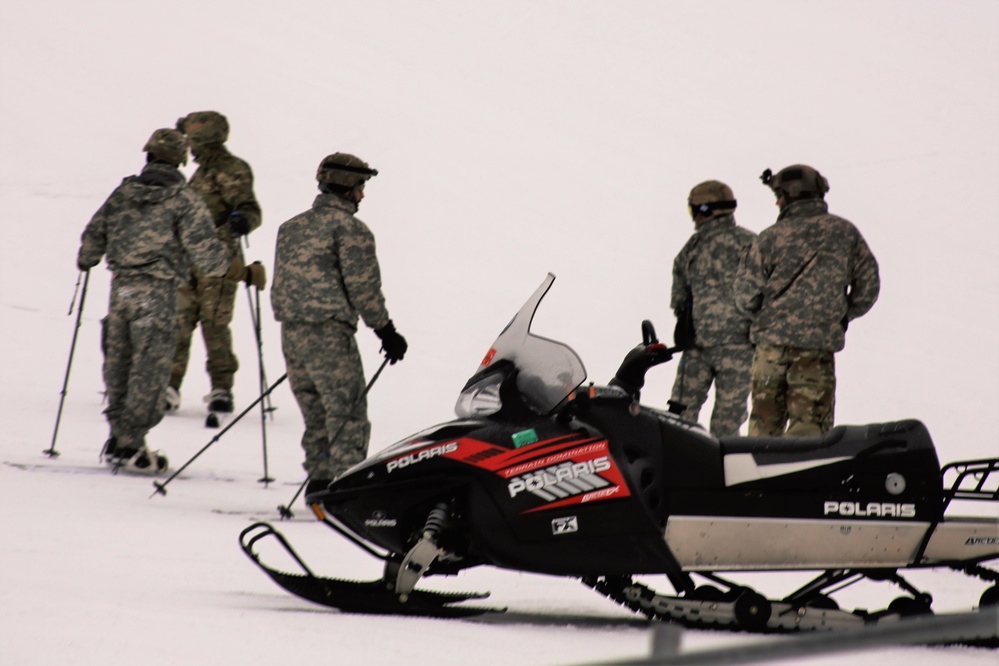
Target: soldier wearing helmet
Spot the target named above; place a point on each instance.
(225, 183)
(717, 349)
(152, 230)
(326, 278)
(804, 280)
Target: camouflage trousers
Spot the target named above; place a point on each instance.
(728, 368)
(795, 388)
(137, 338)
(327, 378)
(209, 301)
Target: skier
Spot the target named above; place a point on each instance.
(225, 182)
(152, 229)
(703, 274)
(326, 276)
(805, 278)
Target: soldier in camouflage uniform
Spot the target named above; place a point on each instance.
(152, 229)
(225, 182)
(704, 271)
(326, 276)
(804, 280)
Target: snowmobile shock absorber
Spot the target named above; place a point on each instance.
(422, 554)
(435, 520)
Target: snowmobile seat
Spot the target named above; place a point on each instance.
(848, 441)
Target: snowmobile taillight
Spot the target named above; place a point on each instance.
(317, 509)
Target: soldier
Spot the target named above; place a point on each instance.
(703, 274)
(326, 276)
(804, 279)
(152, 229)
(225, 182)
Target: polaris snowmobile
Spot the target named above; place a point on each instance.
(541, 473)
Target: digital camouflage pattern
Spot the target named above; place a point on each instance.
(152, 224)
(169, 146)
(152, 229)
(707, 264)
(205, 127)
(792, 388)
(137, 337)
(806, 277)
(327, 378)
(225, 183)
(729, 368)
(326, 276)
(326, 268)
(211, 302)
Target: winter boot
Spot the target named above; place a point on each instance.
(219, 400)
(110, 450)
(172, 400)
(145, 461)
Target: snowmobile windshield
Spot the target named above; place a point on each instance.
(547, 370)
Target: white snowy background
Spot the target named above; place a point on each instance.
(512, 138)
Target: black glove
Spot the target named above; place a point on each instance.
(393, 344)
(239, 224)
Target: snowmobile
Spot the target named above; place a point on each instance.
(543, 473)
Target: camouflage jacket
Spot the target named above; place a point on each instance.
(153, 224)
(325, 267)
(225, 182)
(708, 264)
(806, 277)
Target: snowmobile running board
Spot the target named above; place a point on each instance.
(373, 597)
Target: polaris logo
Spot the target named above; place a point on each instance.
(982, 541)
(879, 509)
(379, 519)
(420, 456)
(565, 525)
(561, 481)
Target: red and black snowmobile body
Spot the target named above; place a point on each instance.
(544, 474)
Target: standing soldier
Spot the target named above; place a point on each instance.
(152, 229)
(703, 276)
(805, 279)
(326, 276)
(225, 182)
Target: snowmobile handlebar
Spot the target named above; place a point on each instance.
(630, 376)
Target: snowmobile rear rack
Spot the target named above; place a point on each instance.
(373, 597)
(972, 480)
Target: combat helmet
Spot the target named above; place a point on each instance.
(204, 127)
(345, 171)
(167, 145)
(797, 181)
(711, 198)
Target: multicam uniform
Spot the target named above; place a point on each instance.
(225, 182)
(326, 275)
(707, 264)
(804, 279)
(152, 228)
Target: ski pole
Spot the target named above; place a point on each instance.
(285, 511)
(265, 405)
(85, 275)
(161, 487)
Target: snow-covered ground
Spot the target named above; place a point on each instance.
(512, 138)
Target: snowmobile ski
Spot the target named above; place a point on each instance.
(371, 597)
